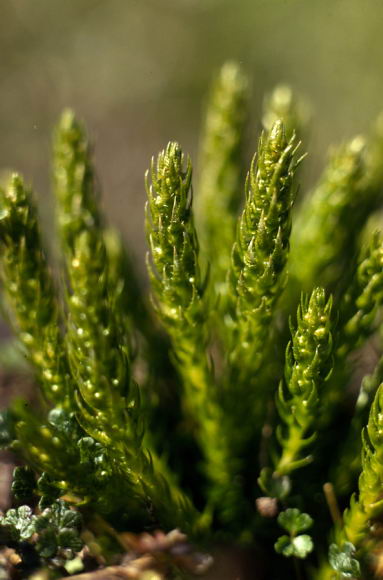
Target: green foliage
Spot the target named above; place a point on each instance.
(48, 489)
(343, 562)
(359, 310)
(57, 527)
(273, 484)
(30, 293)
(323, 240)
(282, 104)
(20, 522)
(368, 503)
(300, 546)
(181, 302)
(296, 544)
(169, 414)
(257, 278)
(23, 484)
(361, 302)
(307, 366)
(221, 172)
(260, 252)
(293, 521)
(53, 535)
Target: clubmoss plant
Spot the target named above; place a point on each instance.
(260, 251)
(307, 366)
(30, 292)
(220, 183)
(192, 406)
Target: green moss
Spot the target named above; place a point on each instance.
(214, 333)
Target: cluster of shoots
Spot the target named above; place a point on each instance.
(230, 401)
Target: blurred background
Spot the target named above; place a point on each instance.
(137, 72)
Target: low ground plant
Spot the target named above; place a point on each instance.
(239, 401)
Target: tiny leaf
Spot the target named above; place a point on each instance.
(68, 539)
(275, 486)
(23, 483)
(284, 546)
(21, 522)
(71, 519)
(298, 547)
(60, 516)
(342, 561)
(293, 521)
(302, 546)
(47, 543)
(49, 490)
(47, 486)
